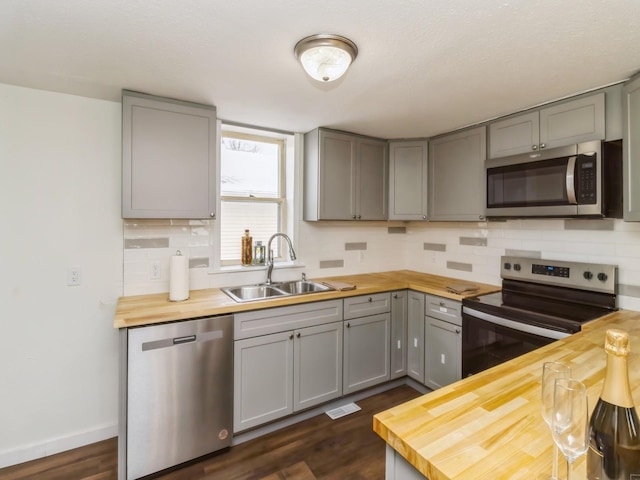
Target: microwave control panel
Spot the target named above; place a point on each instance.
(587, 178)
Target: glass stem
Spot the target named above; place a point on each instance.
(568, 470)
(554, 468)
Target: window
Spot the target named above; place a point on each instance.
(252, 191)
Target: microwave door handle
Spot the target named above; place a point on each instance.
(570, 177)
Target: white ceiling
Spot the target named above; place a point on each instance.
(424, 66)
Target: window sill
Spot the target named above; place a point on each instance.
(255, 268)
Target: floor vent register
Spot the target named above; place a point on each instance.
(342, 410)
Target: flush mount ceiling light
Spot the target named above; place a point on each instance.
(325, 57)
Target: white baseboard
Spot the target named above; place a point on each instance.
(56, 445)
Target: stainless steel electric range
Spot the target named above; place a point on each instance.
(541, 301)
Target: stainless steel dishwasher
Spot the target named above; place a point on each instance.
(178, 398)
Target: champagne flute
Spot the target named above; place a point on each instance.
(550, 372)
(570, 420)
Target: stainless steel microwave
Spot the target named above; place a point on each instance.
(573, 181)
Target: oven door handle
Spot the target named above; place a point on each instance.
(521, 327)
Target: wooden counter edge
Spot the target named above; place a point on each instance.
(140, 310)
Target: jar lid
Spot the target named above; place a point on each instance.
(617, 342)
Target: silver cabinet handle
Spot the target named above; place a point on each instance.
(298, 334)
(457, 330)
(395, 295)
(534, 147)
(424, 217)
(291, 337)
(359, 217)
(212, 215)
(370, 299)
(348, 325)
(353, 216)
(543, 145)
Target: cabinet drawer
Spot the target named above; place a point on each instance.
(443, 308)
(365, 305)
(273, 320)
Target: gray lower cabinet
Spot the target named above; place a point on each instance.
(286, 359)
(408, 173)
(456, 176)
(317, 365)
(399, 319)
(168, 158)
(415, 334)
(366, 343)
(345, 176)
(263, 379)
(631, 149)
(443, 342)
(366, 352)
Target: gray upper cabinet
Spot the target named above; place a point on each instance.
(563, 123)
(345, 176)
(408, 180)
(631, 149)
(456, 176)
(168, 158)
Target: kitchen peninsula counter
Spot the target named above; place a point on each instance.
(489, 426)
(141, 310)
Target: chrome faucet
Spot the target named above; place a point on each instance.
(292, 254)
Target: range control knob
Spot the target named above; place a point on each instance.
(602, 277)
(587, 275)
(507, 266)
(516, 267)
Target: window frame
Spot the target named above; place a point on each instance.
(281, 199)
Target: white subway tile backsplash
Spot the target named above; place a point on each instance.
(468, 251)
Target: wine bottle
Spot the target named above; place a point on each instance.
(614, 429)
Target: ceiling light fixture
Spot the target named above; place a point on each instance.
(325, 57)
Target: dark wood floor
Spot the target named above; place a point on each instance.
(316, 449)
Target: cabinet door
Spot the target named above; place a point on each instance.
(371, 187)
(337, 176)
(168, 158)
(415, 332)
(631, 149)
(576, 121)
(263, 379)
(366, 352)
(317, 366)
(443, 353)
(456, 176)
(514, 135)
(399, 334)
(408, 180)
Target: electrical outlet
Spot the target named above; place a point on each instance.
(74, 276)
(156, 271)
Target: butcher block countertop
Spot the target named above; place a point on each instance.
(489, 426)
(149, 309)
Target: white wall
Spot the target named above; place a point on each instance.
(60, 207)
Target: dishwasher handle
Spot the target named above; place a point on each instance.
(187, 339)
(172, 341)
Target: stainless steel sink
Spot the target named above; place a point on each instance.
(251, 293)
(302, 286)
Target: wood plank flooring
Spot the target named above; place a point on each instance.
(316, 449)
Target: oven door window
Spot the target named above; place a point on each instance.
(541, 183)
(485, 344)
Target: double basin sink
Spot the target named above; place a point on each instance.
(250, 293)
